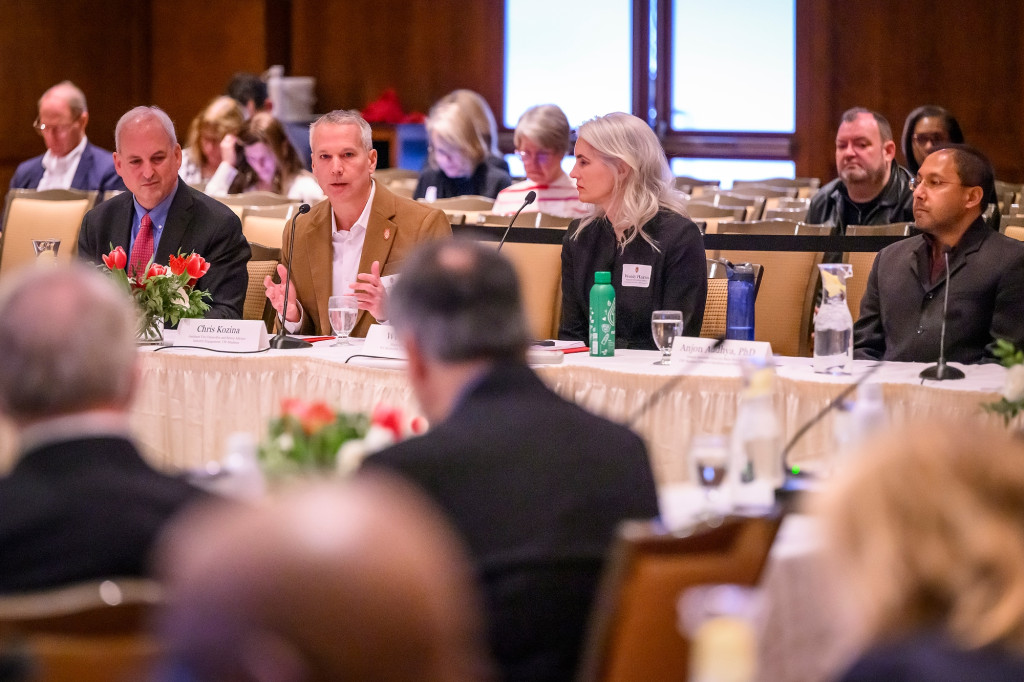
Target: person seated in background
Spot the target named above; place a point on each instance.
(80, 503)
(345, 244)
(542, 141)
(476, 107)
(262, 159)
(161, 216)
(927, 529)
(925, 128)
(638, 231)
(535, 484)
(458, 157)
(357, 580)
(202, 154)
(901, 312)
(872, 189)
(251, 93)
(70, 161)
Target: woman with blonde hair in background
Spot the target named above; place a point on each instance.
(201, 155)
(542, 141)
(458, 157)
(262, 159)
(638, 231)
(927, 529)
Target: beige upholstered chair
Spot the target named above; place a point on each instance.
(390, 175)
(806, 187)
(687, 184)
(468, 203)
(91, 632)
(49, 214)
(266, 224)
(753, 204)
(263, 263)
(634, 631)
(1015, 232)
(525, 219)
(778, 213)
(713, 215)
(863, 260)
(254, 199)
(759, 227)
(717, 301)
(539, 267)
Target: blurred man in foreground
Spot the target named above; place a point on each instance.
(80, 504)
(354, 581)
(535, 484)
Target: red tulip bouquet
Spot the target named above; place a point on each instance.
(164, 293)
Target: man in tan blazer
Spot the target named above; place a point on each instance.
(361, 233)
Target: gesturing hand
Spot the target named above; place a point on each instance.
(370, 292)
(275, 292)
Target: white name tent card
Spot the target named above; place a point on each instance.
(229, 335)
(381, 341)
(690, 348)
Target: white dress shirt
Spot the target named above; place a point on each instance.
(59, 171)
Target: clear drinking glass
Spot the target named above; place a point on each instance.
(342, 311)
(709, 455)
(666, 325)
(46, 250)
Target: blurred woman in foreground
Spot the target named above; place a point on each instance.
(638, 231)
(928, 530)
(542, 141)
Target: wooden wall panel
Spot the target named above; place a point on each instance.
(100, 46)
(197, 46)
(422, 48)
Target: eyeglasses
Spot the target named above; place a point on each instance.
(931, 183)
(926, 138)
(41, 128)
(540, 157)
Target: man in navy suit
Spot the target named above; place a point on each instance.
(81, 503)
(70, 161)
(161, 216)
(535, 484)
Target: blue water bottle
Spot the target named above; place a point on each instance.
(739, 312)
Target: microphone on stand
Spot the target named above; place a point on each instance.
(282, 339)
(530, 197)
(941, 371)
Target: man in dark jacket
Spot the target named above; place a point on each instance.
(871, 188)
(535, 484)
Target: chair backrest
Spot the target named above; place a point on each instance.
(525, 219)
(862, 261)
(759, 227)
(266, 224)
(1008, 221)
(633, 632)
(85, 633)
(260, 198)
(1008, 193)
(759, 190)
(50, 214)
(687, 184)
(715, 307)
(263, 263)
(391, 175)
(539, 267)
(779, 213)
(1015, 232)
(887, 230)
(713, 215)
(469, 202)
(754, 204)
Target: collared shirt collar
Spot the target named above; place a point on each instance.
(158, 215)
(73, 426)
(59, 164)
(364, 218)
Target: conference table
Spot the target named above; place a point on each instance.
(190, 400)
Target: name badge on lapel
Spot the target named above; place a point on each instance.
(634, 275)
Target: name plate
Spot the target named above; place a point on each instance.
(689, 348)
(230, 335)
(381, 341)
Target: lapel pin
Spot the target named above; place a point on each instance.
(387, 233)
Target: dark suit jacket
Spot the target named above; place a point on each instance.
(536, 486)
(396, 225)
(81, 510)
(932, 657)
(196, 223)
(901, 312)
(95, 171)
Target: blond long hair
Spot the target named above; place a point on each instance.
(643, 182)
(928, 528)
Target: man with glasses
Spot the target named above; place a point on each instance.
(70, 161)
(902, 310)
(871, 188)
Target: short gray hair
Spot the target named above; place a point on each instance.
(71, 94)
(460, 301)
(138, 115)
(342, 117)
(547, 126)
(67, 339)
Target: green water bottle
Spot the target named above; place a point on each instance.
(602, 316)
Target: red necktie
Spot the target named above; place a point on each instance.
(142, 251)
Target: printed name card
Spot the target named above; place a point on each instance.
(229, 335)
(381, 341)
(689, 349)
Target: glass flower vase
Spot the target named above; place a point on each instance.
(151, 330)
